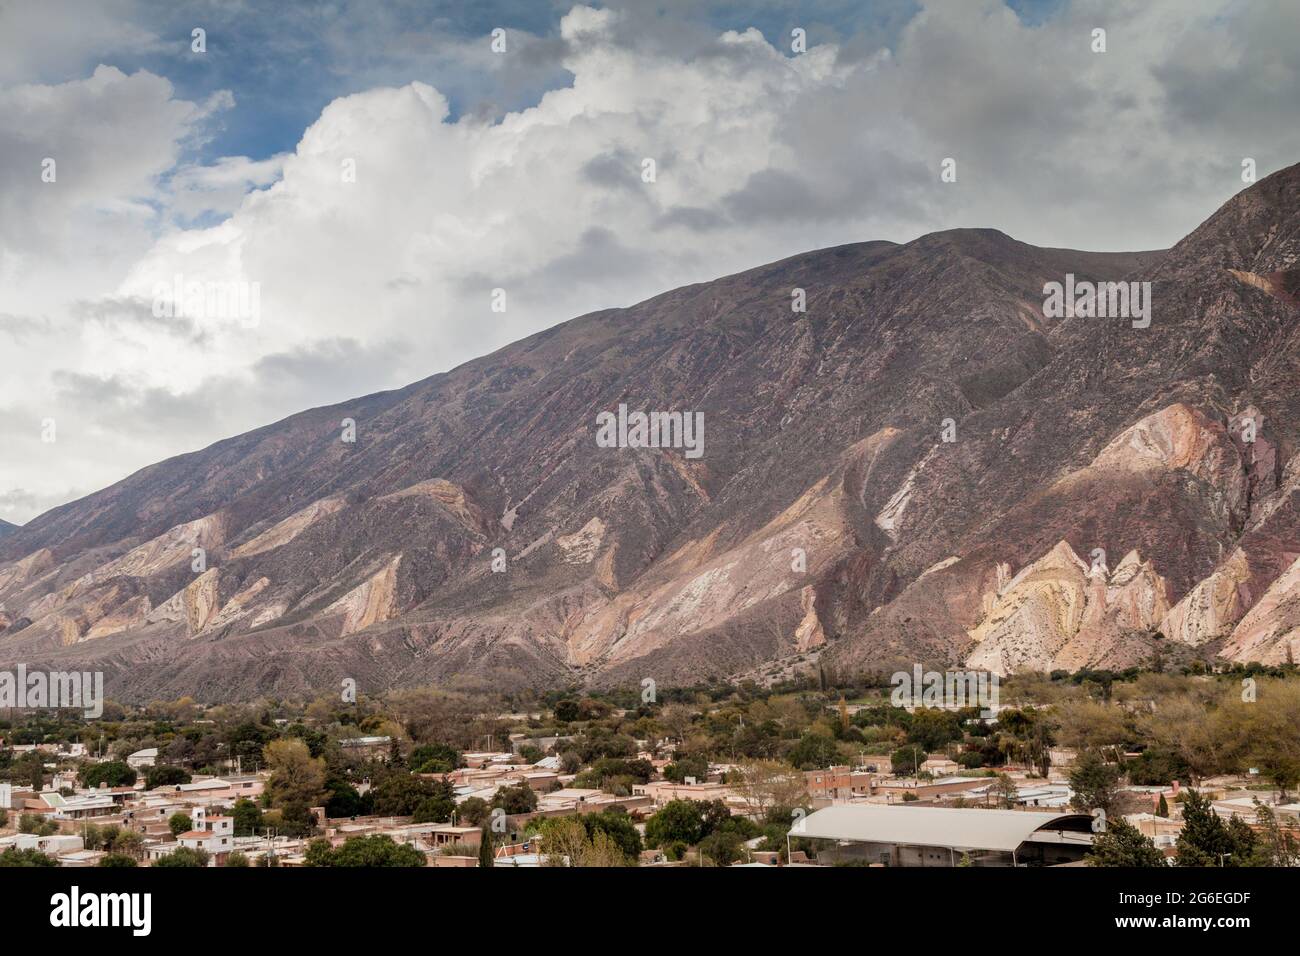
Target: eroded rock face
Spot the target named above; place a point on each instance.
(828, 514)
(809, 633)
(583, 545)
(1270, 631)
(1060, 613)
(282, 532)
(371, 602)
(1181, 438)
(1211, 609)
(194, 606)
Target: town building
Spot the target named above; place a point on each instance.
(944, 836)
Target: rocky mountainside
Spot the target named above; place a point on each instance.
(922, 466)
(6, 527)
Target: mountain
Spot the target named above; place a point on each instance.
(922, 466)
(6, 527)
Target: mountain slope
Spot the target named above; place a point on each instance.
(1097, 478)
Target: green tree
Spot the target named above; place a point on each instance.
(678, 821)
(319, 853)
(486, 851)
(566, 711)
(294, 819)
(129, 843)
(1006, 791)
(296, 776)
(1124, 845)
(164, 775)
(237, 859)
(517, 799)
(31, 770)
(400, 794)
(683, 767)
(932, 728)
(110, 773)
(179, 823)
(814, 752)
(344, 800)
(117, 859)
(1206, 840)
(247, 817)
(366, 851)
(25, 858)
(435, 758)
(907, 760)
(1277, 847)
(1094, 781)
(36, 824)
(184, 857)
(722, 848)
(435, 809)
(618, 827)
(473, 812)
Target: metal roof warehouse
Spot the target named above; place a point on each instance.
(945, 836)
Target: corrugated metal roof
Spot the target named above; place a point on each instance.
(957, 827)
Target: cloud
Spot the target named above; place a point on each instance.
(43, 41)
(80, 181)
(378, 279)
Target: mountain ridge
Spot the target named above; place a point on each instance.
(374, 560)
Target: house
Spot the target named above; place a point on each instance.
(907, 790)
(940, 764)
(838, 783)
(83, 807)
(213, 834)
(1162, 830)
(54, 845)
(143, 758)
(663, 791)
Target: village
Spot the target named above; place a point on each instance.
(595, 798)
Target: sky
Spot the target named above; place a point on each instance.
(396, 188)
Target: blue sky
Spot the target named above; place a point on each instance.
(285, 61)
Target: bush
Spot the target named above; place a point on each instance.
(26, 858)
(184, 857)
(164, 775)
(722, 847)
(36, 824)
(367, 851)
(110, 773)
(678, 821)
(814, 752)
(517, 799)
(435, 758)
